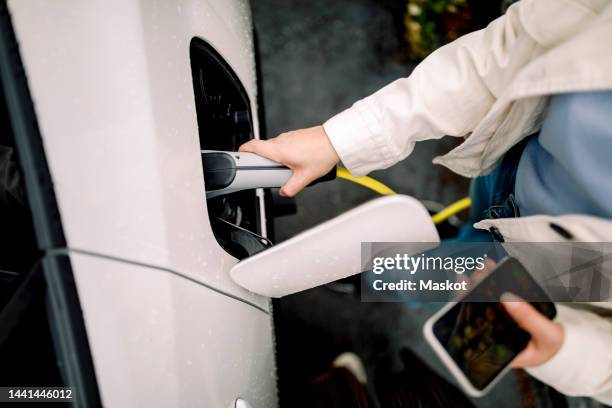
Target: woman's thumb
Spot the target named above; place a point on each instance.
(263, 148)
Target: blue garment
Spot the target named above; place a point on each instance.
(567, 168)
(493, 196)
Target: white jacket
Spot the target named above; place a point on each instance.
(492, 87)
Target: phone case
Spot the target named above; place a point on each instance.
(439, 349)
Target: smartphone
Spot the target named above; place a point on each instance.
(477, 340)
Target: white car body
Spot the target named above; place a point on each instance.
(112, 89)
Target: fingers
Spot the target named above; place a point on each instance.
(532, 321)
(489, 265)
(529, 357)
(307, 152)
(473, 279)
(295, 184)
(528, 318)
(264, 148)
(460, 279)
(249, 146)
(480, 274)
(546, 336)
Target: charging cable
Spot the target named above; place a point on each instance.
(365, 181)
(382, 189)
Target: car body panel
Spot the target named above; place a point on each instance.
(112, 89)
(161, 340)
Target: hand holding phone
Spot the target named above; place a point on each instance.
(547, 336)
(478, 340)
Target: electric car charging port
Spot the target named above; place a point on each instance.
(225, 122)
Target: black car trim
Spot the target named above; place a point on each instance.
(69, 327)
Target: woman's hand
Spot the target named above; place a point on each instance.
(308, 152)
(546, 336)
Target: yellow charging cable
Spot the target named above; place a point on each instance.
(451, 210)
(367, 182)
(382, 189)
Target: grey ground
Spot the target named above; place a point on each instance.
(317, 58)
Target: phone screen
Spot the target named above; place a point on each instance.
(481, 337)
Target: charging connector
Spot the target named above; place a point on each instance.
(228, 172)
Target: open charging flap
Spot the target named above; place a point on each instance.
(332, 250)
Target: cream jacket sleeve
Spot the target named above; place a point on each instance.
(453, 89)
(583, 365)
